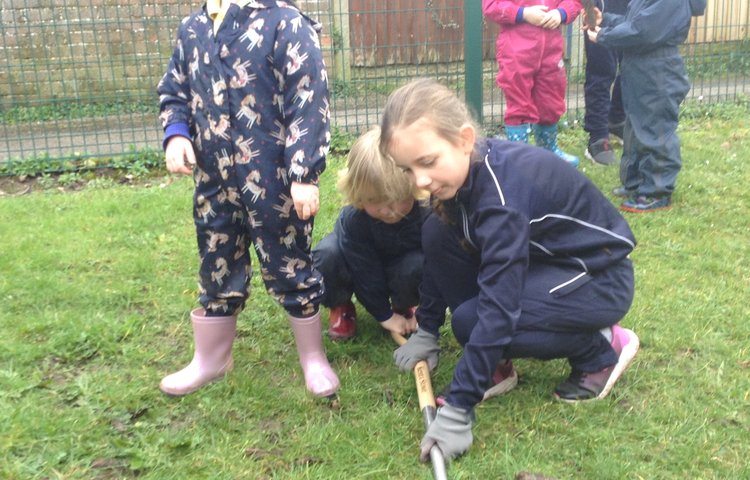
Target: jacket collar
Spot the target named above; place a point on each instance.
(478, 156)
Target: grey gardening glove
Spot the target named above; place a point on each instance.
(420, 346)
(451, 431)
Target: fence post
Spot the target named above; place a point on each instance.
(340, 40)
(473, 57)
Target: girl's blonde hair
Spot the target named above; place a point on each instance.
(372, 178)
(425, 98)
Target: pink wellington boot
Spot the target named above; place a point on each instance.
(320, 378)
(213, 354)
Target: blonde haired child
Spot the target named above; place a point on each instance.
(375, 250)
(532, 260)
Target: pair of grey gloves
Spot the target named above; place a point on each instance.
(451, 429)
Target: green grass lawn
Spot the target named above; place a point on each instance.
(97, 285)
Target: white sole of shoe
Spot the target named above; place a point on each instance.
(626, 358)
(503, 387)
(588, 155)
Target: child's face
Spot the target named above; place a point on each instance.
(388, 212)
(433, 163)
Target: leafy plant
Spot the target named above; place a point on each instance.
(62, 109)
(139, 162)
(716, 60)
(134, 162)
(341, 140)
(69, 179)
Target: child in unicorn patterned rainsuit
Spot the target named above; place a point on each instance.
(244, 106)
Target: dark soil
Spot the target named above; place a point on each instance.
(14, 186)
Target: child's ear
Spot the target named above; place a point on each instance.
(468, 137)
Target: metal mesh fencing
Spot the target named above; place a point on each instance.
(78, 79)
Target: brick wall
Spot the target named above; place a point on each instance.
(320, 10)
(92, 50)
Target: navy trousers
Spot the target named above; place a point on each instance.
(403, 275)
(550, 326)
(602, 90)
(653, 87)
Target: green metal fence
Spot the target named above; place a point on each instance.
(77, 79)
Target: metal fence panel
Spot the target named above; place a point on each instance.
(78, 79)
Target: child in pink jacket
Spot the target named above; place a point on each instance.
(529, 50)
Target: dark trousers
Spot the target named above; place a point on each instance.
(602, 90)
(403, 275)
(550, 326)
(653, 87)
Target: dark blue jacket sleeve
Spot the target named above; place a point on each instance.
(503, 239)
(647, 25)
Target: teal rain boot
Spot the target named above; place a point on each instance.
(518, 133)
(546, 137)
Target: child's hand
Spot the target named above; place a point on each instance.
(593, 34)
(179, 155)
(400, 324)
(597, 20)
(305, 198)
(552, 19)
(535, 14)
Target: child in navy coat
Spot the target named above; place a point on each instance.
(375, 250)
(654, 84)
(528, 255)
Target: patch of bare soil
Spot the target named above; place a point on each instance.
(16, 186)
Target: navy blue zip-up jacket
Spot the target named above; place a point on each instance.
(649, 24)
(369, 245)
(613, 6)
(521, 205)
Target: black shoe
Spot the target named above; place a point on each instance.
(600, 152)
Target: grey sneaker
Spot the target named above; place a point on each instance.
(600, 152)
